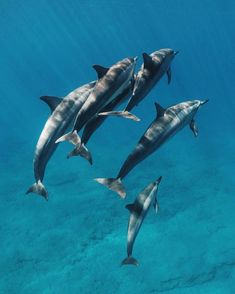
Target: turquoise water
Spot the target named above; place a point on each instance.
(74, 243)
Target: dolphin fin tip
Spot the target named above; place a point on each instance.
(82, 151)
(38, 188)
(124, 114)
(71, 137)
(113, 184)
(130, 261)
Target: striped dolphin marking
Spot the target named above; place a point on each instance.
(94, 123)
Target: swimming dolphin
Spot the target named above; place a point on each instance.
(152, 70)
(94, 123)
(111, 82)
(138, 211)
(64, 112)
(167, 123)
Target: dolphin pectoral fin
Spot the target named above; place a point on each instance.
(71, 137)
(82, 151)
(155, 205)
(51, 101)
(100, 70)
(114, 185)
(194, 128)
(39, 189)
(124, 114)
(169, 75)
(130, 260)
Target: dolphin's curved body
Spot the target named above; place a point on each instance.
(64, 112)
(167, 123)
(138, 211)
(152, 70)
(94, 123)
(111, 82)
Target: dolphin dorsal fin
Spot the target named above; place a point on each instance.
(130, 207)
(148, 62)
(51, 101)
(101, 71)
(159, 109)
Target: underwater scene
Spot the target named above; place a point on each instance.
(117, 146)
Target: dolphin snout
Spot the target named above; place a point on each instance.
(135, 58)
(204, 102)
(176, 52)
(158, 180)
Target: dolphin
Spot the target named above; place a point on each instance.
(111, 82)
(63, 113)
(94, 123)
(152, 70)
(167, 123)
(138, 211)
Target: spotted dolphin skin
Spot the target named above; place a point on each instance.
(138, 211)
(152, 70)
(112, 82)
(167, 123)
(63, 113)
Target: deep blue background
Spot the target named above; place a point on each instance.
(76, 241)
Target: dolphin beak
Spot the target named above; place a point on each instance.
(157, 182)
(176, 52)
(135, 58)
(204, 102)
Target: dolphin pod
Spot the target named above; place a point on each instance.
(152, 70)
(112, 82)
(88, 106)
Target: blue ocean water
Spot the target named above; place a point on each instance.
(74, 243)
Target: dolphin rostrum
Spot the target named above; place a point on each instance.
(138, 211)
(154, 67)
(64, 112)
(167, 123)
(111, 82)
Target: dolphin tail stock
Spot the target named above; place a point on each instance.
(124, 113)
(114, 184)
(81, 150)
(130, 260)
(39, 189)
(71, 137)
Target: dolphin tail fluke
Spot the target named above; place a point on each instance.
(39, 189)
(81, 150)
(71, 137)
(125, 114)
(113, 184)
(130, 260)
